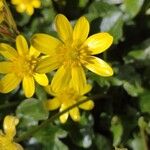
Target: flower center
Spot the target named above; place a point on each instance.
(68, 96)
(24, 66)
(72, 55)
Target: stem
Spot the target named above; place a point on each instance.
(144, 138)
(29, 133)
(142, 126)
(10, 18)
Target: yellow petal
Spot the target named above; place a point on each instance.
(28, 86)
(18, 146)
(15, 2)
(9, 126)
(36, 3)
(21, 8)
(9, 82)
(63, 27)
(33, 52)
(22, 45)
(41, 79)
(86, 89)
(45, 43)
(53, 104)
(78, 78)
(63, 118)
(48, 89)
(98, 43)
(47, 65)
(8, 51)
(61, 79)
(75, 114)
(5, 67)
(30, 10)
(81, 31)
(87, 105)
(99, 67)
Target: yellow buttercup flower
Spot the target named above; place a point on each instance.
(73, 51)
(67, 97)
(6, 137)
(26, 5)
(20, 66)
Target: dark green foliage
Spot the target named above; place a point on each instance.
(114, 121)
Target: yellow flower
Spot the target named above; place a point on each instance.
(26, 5)
(73, 51)
(6, 137)
(67, 97)
(20, 66)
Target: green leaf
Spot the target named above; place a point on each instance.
(113, 23)
(22, 19)
(117, 130)
(102, 81)
(113, 1)
(102, 143)
(46, 3)
(137, 54)
(137, 143)
(120, 148)
(141, 54)
(48, 14)
(100, 9)
(49, 138)
(133, 89)
(32, 108)
(132, 7)
(83, 3)
(142, 124)
(40, 92)
(131, 85)
(145, 102)
(81, 134)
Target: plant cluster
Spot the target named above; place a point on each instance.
(75, 74)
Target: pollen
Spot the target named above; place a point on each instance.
(24, 66)
(68, 95)
(71, 55)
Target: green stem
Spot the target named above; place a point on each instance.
(9, 105)
(29, 133)
(144, 138)
(142, 126)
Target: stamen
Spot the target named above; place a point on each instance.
(24, 66)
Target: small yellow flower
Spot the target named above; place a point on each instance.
(6, 137)
(20, 66)
(72, 52)
(26, 5)
(67, 97)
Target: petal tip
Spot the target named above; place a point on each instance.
(109, 72)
